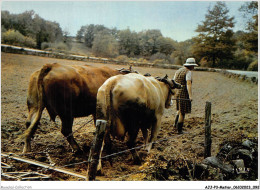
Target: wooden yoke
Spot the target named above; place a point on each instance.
(95, 150)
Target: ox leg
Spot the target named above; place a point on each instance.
(108, 146)
(145, 135)
(131, 144)
(31, 128)
(66, 130)
(155, 130)
(107, 142)
(99, 167)
(94, 118)
(30, 118)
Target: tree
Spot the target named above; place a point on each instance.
(128, 43)
(32, 26)
(215, 42)
(81, 33)
(90, 33)
(182, 52)
(250, 10)
(165, 45)
(148, 41)
(105, 45)
(46, 31)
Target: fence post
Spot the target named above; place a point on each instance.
(207, 144)
(95, 150)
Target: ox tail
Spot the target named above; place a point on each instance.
(28, 134)
(104, 102)
(103, 123)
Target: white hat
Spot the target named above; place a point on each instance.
(190, 62)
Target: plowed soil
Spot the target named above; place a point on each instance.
(234, 117)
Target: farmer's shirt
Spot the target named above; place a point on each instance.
(188, 75)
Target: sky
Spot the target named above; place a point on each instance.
(175, 19)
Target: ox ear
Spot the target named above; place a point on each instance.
(131, 70)
(158, 78)
(164, 79)
(124, 71)
(147, 75)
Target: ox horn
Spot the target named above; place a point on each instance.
(158, 78)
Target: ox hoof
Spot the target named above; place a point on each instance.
(100, 172)
(26, 150)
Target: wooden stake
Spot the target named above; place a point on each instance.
(207, 145)
(94, 155)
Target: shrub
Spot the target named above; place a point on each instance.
(203, 62)
(61, 46)
(122, 58)
(105, 45)
(253, 66)
(161, 61)
(29, 42)
(158, 56)
(178, 60)
(3, 29)
(45, 45)
(133, 59)
(14, 37)
(142, 60)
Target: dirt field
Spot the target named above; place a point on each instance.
(234, 117)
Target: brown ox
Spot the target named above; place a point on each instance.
(65, 91)
(126, 104)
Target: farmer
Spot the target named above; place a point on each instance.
(184, 95)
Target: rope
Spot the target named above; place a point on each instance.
(114, 154)
(78, 129)
(46, 151)
(52, 167)
(181, 99)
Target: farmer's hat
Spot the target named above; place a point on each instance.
(190, 62)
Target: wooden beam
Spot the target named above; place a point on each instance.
(95, 151)
(44, 165)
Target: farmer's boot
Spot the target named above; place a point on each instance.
(176, 120)
(179, 127)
